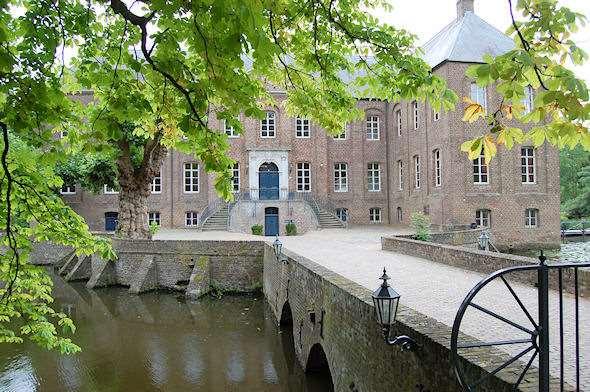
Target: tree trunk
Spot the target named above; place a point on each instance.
(134, 186)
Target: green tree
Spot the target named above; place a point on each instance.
(571, 163)
(561, 110)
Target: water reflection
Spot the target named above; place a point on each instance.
(160, 342)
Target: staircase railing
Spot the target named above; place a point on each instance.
(211, 209)
(322, 204)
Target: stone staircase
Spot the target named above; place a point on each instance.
(327, 220)
(218, 221)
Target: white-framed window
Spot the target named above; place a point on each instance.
(400, 215)
(437, 167)
(156, 185)
(342, 214)
(63, 134)
(483, 218)
(416, 172)
(478, 95)
(374, 177)
(399, 122)
(375, 215)
(107, 190)
(303, 177)
(373, 128)
(229, 130)
(235, 178)
(340, 177)
(527, 101)
(191, 177)
(400, 175)
(341, 136)
(435, 115)
(531, 218)
(481, 172)
(68, 189)
(416, 114)
(191, 219)
(154, 218)
(268, 125)
(302, 128)
(527, 165)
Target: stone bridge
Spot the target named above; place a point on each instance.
(335, 329)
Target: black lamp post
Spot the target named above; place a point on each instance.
(278, 248)
(386, 301)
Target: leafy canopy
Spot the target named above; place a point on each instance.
(561, 112)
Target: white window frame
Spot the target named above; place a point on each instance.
(63, 134)
(340, 177)
(154, 217)
(342, 213)
(67, 189)
(375, 215)
(374, 177)
(400, 214)
(188, 173)
(236, 177)
(191, 219)
(417, 171)
(268, 125)
(528, 100)
(229, 130)
(528, 163)
(302, 128)
(437, 168)
(481, 171)
(399, 122)
(400, 175)
(156, 184)
(109, 191)
(435, 115)
(303, 173)
(478, 95)
(416, 114)
(341, 136)
(373, 127)
(483, 218)
(531, 218)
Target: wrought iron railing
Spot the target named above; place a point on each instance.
(536, 336)
(211, 209)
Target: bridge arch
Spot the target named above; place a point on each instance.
(286, 315)
(318, 368)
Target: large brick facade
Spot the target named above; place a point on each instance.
(452, 201)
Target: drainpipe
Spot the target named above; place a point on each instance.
(387, 187)
(171, 189)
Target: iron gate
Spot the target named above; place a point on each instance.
(537, 337)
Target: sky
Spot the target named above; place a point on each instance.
(427, 17)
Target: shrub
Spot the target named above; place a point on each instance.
(257, 229)
(291, 228)
(154, 227)
(421, 224)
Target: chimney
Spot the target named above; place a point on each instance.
(464, 6)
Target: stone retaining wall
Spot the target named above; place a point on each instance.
(455, 237)
(481, 261)
(145, 265)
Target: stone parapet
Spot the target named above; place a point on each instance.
(482, 261)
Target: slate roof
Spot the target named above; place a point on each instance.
(466, 39)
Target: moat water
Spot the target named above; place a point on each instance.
(161, 342)
(573, 250)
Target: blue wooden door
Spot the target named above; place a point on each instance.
(268, 181)
(110, 221)
(271, 221)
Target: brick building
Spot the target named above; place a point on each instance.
(402, 157)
